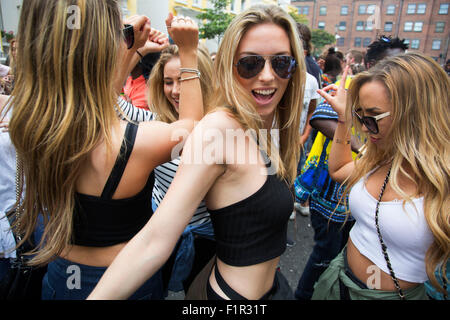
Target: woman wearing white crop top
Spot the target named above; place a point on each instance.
(398, 189)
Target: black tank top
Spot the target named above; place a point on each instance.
(103, 221)
(254, 230)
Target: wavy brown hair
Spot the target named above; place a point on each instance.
(420, 137)
(63, 106)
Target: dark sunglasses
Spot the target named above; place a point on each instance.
(250, 66)
(371, 122)
(128, 35)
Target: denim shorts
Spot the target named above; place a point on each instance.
(67, 280)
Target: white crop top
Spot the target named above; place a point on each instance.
(404, 230)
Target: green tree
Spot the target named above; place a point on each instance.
(319, 39)
(215, 20)
(300, 18)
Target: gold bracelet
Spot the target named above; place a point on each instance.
(342, 142)
(190, 78)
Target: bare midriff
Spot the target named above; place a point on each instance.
(251, 282)
(92, 256)
(363, 269)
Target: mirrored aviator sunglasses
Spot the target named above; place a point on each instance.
(250, 66)
(128, 35)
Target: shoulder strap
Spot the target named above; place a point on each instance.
(121, 161)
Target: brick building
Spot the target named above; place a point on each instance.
(425, 24)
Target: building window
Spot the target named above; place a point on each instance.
(421, 8)
(406, 41)
(344, 10)
(369, 26)
(440, 26)
(418, 26)
(371, 9)
(359, 25)
(323, 11)
(342, 25)
(390, 9)
(443, 8)
(357, 42)
(321, 25)
(366, 42)
(340, 42)
(388, 26)
(411, 8)
(303, 10)
(196, 2)
(408, 26)
(415, 44)
(436, 45)
(362, 9)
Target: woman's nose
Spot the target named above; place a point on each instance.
(266, 74)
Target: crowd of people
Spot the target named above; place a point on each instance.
(151, 164)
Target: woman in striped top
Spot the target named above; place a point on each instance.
(197, 245)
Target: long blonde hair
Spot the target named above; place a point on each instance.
(160, 105)
(419, 90)
(230, 93)
(63, 105)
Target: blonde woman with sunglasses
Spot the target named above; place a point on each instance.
(88, 173)
(399, 188)
(243, 175)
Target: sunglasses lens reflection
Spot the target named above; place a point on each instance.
(284, 66)
(249, 66)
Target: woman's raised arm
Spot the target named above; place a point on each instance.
(340, 162)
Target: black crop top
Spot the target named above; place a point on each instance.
(254, 230)
(103, 221)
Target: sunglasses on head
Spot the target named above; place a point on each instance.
(250, 66)
(371, 122)
(128, 35)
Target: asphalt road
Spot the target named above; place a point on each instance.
(294, 258)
